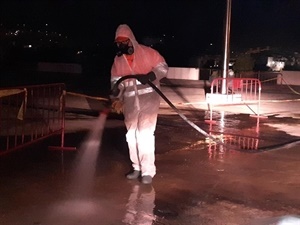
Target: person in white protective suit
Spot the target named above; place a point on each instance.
(140, 102)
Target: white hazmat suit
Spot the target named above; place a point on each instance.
(140, 102)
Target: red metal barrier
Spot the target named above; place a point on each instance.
(31, 113)
(238, 91)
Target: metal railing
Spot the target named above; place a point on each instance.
(31, 113)
(238, 91)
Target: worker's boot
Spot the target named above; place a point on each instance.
(134, 175)
(147, 179)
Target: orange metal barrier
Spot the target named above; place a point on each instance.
(237, 91)
(31, 113)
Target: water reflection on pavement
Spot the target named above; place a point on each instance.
(197, 182)
(140, 206)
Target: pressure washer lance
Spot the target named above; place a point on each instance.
(115, 92)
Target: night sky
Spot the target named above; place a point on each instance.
(195, 24)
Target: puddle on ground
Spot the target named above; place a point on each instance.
(188, 188)
(240, 132)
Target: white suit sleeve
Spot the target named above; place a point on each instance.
(161, 70)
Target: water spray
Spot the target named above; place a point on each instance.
(87, 158)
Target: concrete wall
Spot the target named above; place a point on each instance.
(183, 73)
(283, 77)
(289, 78)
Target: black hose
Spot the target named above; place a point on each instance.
(218, 141)
(115, 87)
(183, 116)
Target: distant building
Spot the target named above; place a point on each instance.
(276, 64)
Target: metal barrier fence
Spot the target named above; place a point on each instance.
(31, 113)
(237, 91)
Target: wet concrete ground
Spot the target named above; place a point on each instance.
(197, 182)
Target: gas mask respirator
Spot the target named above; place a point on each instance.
(123, 48)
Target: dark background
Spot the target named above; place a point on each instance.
(187, 28)
(194, 24)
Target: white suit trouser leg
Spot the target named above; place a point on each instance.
(140, 126)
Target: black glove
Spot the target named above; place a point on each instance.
(115, 91)
(146, 77)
